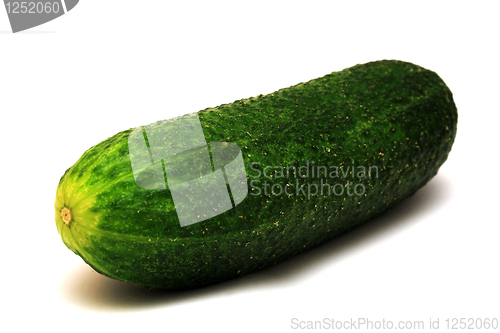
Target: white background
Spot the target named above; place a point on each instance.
(111, 65)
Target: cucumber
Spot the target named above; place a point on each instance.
(286, 171)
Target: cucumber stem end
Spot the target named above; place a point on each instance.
(66, 215)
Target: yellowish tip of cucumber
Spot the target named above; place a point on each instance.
(66, 215)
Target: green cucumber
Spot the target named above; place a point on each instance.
(368, 137)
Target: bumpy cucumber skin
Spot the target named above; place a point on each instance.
(391, 114)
